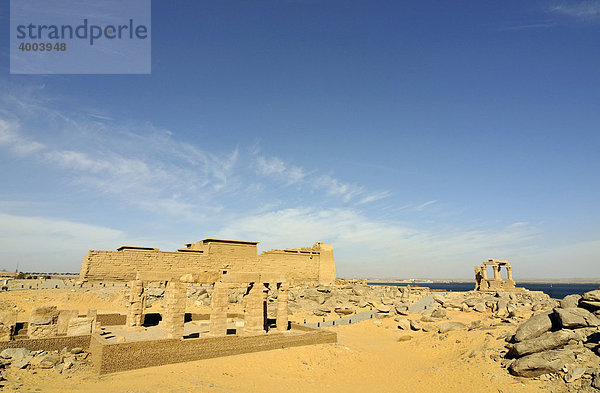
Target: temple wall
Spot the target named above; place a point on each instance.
(123, 265)
(302, 266)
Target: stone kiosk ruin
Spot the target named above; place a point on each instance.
(484, 283)
(124, 342)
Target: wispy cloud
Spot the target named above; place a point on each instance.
(531, 26)
(140, 164)
(63, 243)
(587, 10)
(393, 248)
(424, 205)
(289, 174)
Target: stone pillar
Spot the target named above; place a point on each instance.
(484, 272)
(509, 273)
(136, 303)
(496, 272)
(218, 314)
(174, 309)
(282, 307)
(254, 313)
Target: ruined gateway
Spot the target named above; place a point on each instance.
(483, 283)
(306, 265)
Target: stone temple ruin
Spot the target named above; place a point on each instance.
(484, 283)
(124, 342)
(306, 265)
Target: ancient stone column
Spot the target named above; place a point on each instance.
(218, 314)
(174, 309)
(136, 303)
(282, 307)
(509, 273)
(254, 313)
(496, 272)
(484, 272)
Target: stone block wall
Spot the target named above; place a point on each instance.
(307, 265)
(110, 358)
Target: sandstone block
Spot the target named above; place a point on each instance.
(80, 326)
(545, 342)
(44, 315)
(534, 327)
(572, 318)
(541, 363)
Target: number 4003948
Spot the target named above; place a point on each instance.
(43, 47)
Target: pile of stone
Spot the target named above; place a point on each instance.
(353, 297)
(501, 304)
(21, 358)
(563, 342)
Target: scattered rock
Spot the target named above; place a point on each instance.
(534, 327)
(452, 325)
(574, 374)
(439, 313)
(547, 341)
(15, 353)
(541, 363)
(403, 323)
(592, 295)
(570, 301)
(405, 338)
(415, 325)
(572, 318)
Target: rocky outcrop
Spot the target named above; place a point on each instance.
(541, 363)
(534, 327)
(565, 339)
(572, 318)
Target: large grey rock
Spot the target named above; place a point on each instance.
(541, 363)
(22, 363)
(48, 361)
(44, 315)
(570, 301)
(590, 304)
(421, 304)
(534, 327)
(545, 342)
(15, 353)
(439, 313)
(480, 307)
(452, 325)
(572, 318)
(592, 295)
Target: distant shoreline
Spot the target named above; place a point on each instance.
(523, 280)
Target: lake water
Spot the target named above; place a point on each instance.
(556, 291)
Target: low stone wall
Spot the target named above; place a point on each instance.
(110, 358)
(48, 344)
(111, 319)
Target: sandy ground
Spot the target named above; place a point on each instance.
(368, 357)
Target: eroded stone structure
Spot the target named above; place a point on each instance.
(255, 300)
(496, 283)
(306, 265)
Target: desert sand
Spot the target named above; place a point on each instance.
(368, 357)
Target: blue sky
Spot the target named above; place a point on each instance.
(419, 138)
